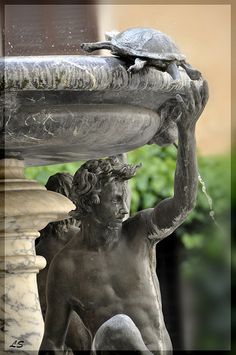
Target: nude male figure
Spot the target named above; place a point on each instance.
(106, 273)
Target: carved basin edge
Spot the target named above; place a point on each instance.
(88, 73)
(38, 90)
(77, 132)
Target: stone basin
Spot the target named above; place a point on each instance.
(67, 108)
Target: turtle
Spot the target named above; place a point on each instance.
(145, 46)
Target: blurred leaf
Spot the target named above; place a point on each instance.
(192, 241)
(42, 173)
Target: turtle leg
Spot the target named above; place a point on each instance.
(90, 47)
(194, 74)
(138, 65)
(172, 69)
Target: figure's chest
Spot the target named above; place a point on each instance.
(107, 277)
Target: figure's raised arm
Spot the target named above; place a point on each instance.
(171, 212)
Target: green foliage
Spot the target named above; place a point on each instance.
(215, 172)
(42, 173)
(155, 179)
(193, 241)
(233, 177)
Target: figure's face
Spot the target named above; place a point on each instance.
(112, 208)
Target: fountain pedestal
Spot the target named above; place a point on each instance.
(27, 207)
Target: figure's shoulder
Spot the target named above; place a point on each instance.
(63, 262)
(139, 222)
(140, 216)
(143, 224)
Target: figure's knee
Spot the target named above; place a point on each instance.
(119, 323)
(118, 333)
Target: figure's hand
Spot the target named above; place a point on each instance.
(191, 105)
(181, 112)
(167, 133)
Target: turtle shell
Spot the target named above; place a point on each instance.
(147, 43)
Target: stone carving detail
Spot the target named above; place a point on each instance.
(106, 273)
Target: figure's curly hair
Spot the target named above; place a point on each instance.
(91, 176)
(61, 183)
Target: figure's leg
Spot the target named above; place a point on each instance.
(90, 47)
(77, 337)
(194, 74)
(138, 65)
(119, 333)
(56, 322)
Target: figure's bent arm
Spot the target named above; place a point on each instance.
(56, 325)
(57, 316)
(170, 213)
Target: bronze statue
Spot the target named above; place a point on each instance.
(106, 273)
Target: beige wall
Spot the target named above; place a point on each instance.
(203, 34)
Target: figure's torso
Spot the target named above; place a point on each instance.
(118, 281)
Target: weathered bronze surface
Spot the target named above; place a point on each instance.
(106, 272)
(66, 108)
